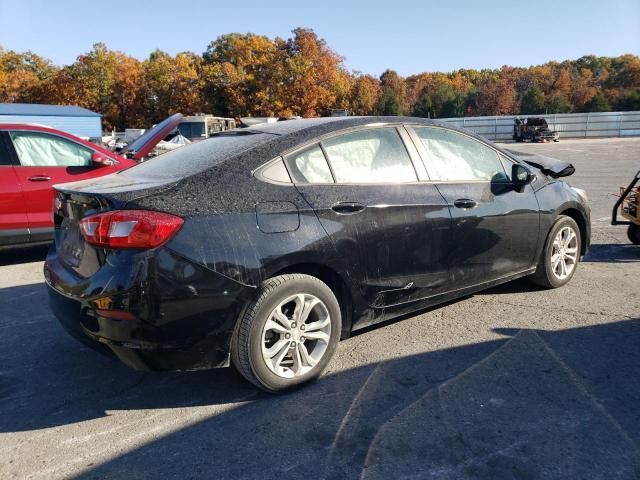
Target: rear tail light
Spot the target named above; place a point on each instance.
(129, 228)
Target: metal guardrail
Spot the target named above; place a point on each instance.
(570, 125)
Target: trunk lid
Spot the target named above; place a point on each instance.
(74, 201)
(142, 146)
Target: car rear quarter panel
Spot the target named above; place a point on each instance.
(241, 227)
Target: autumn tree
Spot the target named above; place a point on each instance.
(21, 76)
(242, 76)
(365, 94)
(497, 97)
(93, 76)
(254, 75)
(313, 77)
(128, 93)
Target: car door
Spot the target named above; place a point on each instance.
(495, 226)
(14, 226)
(44, 159)
(390, 228)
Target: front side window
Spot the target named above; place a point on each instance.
(369, 156)
(38, 149)
(309, 166)
(457, 157)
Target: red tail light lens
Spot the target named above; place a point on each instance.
(129, 228)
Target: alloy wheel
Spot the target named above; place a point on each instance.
(296, 335)
(564, 254)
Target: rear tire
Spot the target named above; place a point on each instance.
(287, 335)
(633, 232)
(560, 256)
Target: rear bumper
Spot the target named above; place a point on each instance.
(154, 310)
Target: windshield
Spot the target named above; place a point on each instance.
(198, 157)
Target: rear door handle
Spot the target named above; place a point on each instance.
(39, 178)
(347, 208)
(465, 203)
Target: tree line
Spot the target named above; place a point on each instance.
(252, 75)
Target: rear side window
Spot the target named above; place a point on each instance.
(369, 156)
(458, 157)
(37, 149)
(309, 166)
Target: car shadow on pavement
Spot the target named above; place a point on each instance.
(17, 255)
(528, 404)
(613, 253)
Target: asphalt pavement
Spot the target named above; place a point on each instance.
(511, 383)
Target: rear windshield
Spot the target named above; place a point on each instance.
(199, 156)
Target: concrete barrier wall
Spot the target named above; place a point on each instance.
(570, 125)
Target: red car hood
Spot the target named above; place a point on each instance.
(142, 146)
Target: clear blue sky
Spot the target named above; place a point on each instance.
(410, 36)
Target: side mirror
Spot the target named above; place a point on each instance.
(520, 176)
(101, 160)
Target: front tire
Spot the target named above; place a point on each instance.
(560, 256)
(633, 232)
(287, 335)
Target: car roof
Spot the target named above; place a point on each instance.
(248, 148)
(287, 127)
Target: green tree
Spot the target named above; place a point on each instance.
(630, 101)
(533, 101)
(599, 103)
(424, 106)
(394, 92)
(559, 104)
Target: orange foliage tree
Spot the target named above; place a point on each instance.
(243, 74)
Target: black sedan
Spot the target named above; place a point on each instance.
(263, 247)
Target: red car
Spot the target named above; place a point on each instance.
(34, 158)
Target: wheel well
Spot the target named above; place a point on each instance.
(335, 282)
(582, 225)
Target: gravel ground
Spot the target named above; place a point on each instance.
(512, 383)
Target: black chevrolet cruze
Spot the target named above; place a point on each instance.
(263, 247)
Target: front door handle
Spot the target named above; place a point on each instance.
(465, 203)
(347, 208)
(39, 178)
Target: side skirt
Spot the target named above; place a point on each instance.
(439, 299)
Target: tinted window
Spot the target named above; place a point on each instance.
(457, 157)
(370, 156)
(309, 166)
(199, 156)
(36, 149)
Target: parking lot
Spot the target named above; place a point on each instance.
(511, 383)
